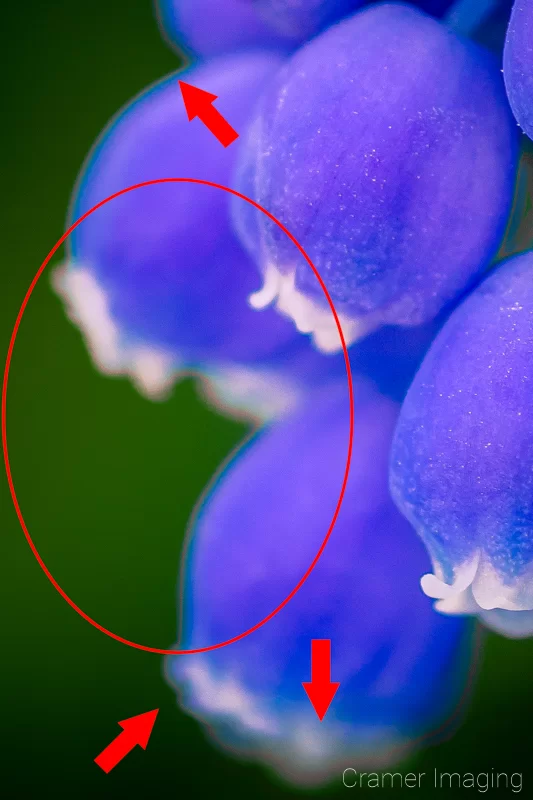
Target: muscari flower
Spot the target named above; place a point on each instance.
(400, 665)
(156, 278)
(518, 64)
(386, 145)
(461, 468)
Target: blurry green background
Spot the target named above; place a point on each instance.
(107, 480)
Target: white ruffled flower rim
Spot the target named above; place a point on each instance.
(306, 751)
(307, 315)
(151, 369)
(478, 589)
(254, 394)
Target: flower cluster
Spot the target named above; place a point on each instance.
(385, 139)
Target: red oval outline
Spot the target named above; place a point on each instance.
(64, 595)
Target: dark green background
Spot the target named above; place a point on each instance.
(107, 479)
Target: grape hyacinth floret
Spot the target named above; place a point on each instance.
(462, 461)
(387, 145)
(400, 664)
(156, 278)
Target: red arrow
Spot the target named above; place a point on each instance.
(321, 690)
(137, 730)
(200, 104)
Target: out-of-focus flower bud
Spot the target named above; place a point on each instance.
(400, 664)
(156, 278)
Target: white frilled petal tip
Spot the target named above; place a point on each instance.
(152, 369)
(293, 742)
(506, 606)
(308, 316)
(254, 394)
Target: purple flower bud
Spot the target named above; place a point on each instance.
(518, 64)
(462, 460)
(399, 663)
(156, 278)
(214, 27)
(387, 147)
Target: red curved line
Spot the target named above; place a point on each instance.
(18, 320)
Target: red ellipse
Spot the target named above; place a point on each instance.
(34, 550)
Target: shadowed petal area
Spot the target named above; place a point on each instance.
(213, 27)
(304, 18)
(208, 28)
